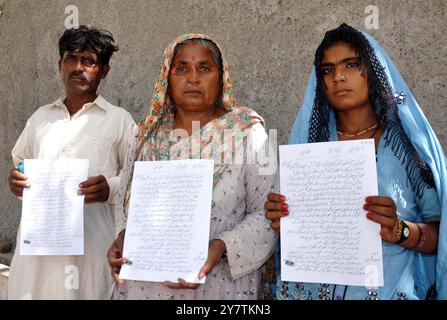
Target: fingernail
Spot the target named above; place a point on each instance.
(369, 215)
(365, 206)
(282, 198)
(201, 275)
(80, 185)
(27, 185)
(285, 213)
(283, 206)
(368, 199)
(79, 192)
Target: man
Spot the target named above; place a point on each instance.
(82, 125)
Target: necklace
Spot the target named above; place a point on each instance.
(357, 133)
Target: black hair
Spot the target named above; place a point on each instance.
(381, 97)
(87, 37)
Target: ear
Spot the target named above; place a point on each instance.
(104, 71)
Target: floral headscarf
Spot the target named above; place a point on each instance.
(156, 127)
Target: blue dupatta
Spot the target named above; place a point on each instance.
(430, 268)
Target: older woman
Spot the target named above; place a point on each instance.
(194, 85)
(356, 92)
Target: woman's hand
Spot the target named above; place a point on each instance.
(215, 251)
(276, 209)
(383, 211)
(114, 255)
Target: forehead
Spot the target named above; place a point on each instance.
(337, 52)
(193, 53)
(85, 53)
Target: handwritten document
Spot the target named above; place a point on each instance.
(168, 223)
(327, 238)
(52, 211)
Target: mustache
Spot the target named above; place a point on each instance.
(76, 74)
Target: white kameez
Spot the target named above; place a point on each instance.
(237, 218)
(105, 134)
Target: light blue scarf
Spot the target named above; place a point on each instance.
(423, 139)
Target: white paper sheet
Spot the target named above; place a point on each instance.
(52, 211)
(168, 224)
(327, 238)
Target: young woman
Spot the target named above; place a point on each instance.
(356, 92)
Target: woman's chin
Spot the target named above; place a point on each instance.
(195, 107)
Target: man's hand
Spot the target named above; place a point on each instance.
(95, 189)
(17, 181)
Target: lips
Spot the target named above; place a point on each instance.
(193, 92)
(342, 92)
(77, 78)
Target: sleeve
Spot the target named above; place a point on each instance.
(23, 147)
(251, 242)
(429, 205)
(121, 216)
(424, 272)
(118, 184)
(126, 154)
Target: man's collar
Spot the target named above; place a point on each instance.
(99, 101)
(59, 102)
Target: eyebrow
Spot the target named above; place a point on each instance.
(330, 64)
(200, 62)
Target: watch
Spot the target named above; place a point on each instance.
(405, 232)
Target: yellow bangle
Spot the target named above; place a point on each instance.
(399, 228)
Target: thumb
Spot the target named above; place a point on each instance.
(215, 251)
(205, 269)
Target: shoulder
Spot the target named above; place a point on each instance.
(41, 113)
(249, 112)
(244, 117)
(120, 113)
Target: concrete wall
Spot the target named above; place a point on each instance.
(4, 277)
(269, 44)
